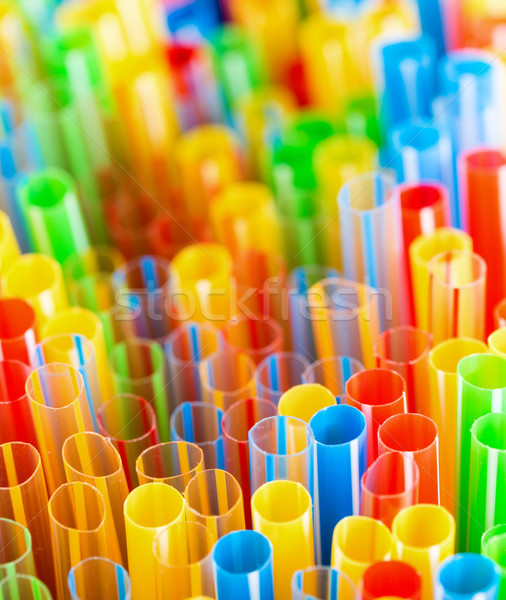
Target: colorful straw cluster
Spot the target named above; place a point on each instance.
(252, 299)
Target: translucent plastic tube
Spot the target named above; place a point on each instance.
(172, 463)
(23, 587)
(282, 448)
(200, 424)
(15, 414)
(305, 400)
(500, 314)
(423, 536)
(93, 459)
(323, 583)
(84, 322)
(389, 485)
(78, 352)
(345, 318)
(497, 342)
(371, 239)
(130, 422)
(226, 377)
(38, 279)
(340, 443)
(416, 436)
(481, 389)
(466, 576)
(185, 348)
(242, 566)
(60, 408)
(422, 249)
(391, 578)
(333, 373)
(143, 284)
(99, 578)
(23, 498)
(77, 517)
(358, 542)
(183, 561)
(299, 282)
(279, 372)
(282, 513)
(378, 394)
(443, 361)
(94, 261)
(138, 367)
(486, 488)
(17, 329)
(15, 549)
(493, 545)
(257, 338)
(405, 350)
(457, 283)
(147, 510)
(236, 423)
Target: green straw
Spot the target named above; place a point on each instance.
(493, 545)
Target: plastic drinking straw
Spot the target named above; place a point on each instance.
(23, 587)
(15, 415)
(9, 249)
(227, 376)
(406, 78)
(390, 484)
(481, 173)
(201, 284)
(23, 498)
(279, 372)
(38, 280)
(81, 321)
(17, 329)
(492, 546)
(207, 158)
(345, 318)
(183, 561)
(138, 367)
(148, 509)
(185, 348)
(457, 285)
(60, 408)
(236, 423)
(422, 250)
(324, 583)
(416, 436)
(333, 373)
(467, 576)
(358, 542)
(392, 577)
(214, 499)
(282, 512)
(497, 342)
(130, 422)
(92, 458)
(340, 441)
(305, 400)
(15, 549)
(282, 447)
(299, 282)
(77, 515)
(49, 203)
(257, 337)
(371, 240)
(143, 284)
(405, 350)
(424, 535)
(99, 578)
(378, 394)
(500, 314)
(173, 463)
(488, 452)
(78, 352)
(481, 389)
(199, 423)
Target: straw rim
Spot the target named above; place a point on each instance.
(32, 259)
(336, 408)
(418, 249)
(494, 337)
(37, 358)
(106, 444)
(195, 461)
(145, 406)
(204, 475)
(442, 347)
(27, 552)
(481, 356)
(216, 356)
(37, 468)
(427, 508)
(394, 374)
(361, 289)
(235, 406)
(30, 388)
(20, 367)
(374, 523)
(155, 353)
(468, 157)
(413, 417)
(186, 524)
(21, 306)
(245, 533)
(123, 270)
(98, 559)
(476, 259)
(451, 562)
(355, 364)
(167, 489)
(309, 436)
(181, 330)
(76, 313)
(49, 174)
(297, 580)
(278, 357)
(98, 497)
(264, 489)
(487, 540)
(271, 324)
(97, 253)
(432, 184)
(381, 457)
(35, 584)
(403, 330)
(387, 203)
(480, 421)
(206, 406)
